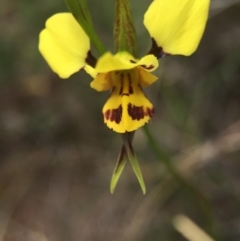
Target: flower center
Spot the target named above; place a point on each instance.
(125, 81)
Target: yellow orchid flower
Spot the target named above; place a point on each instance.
(174, 29)
(127, 108)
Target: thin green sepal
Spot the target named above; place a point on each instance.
(122, 159)
(133, 159)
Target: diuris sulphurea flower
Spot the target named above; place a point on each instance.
(127, 107)
(175, 27)
(66, 48)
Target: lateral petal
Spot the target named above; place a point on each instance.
(102, 82)
(145, 78)
(177, 26)
(64, 44)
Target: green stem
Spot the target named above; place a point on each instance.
(81, 13)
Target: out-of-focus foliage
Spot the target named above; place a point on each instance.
(56, 155)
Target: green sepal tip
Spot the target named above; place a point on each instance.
(122, 159)
(127, 139)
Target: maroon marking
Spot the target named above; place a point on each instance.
(107, 114)
(150, 112)
(121, 79)
(130, 88)
(114, 114)
(138, 113)
(157, 51)
(90, 59)
(147, 67)
(117, 114)
(143, 65)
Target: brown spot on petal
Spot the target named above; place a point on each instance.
(121, 80)
(107, 114)
(90, 59)
(138, 113)
(157, 51)
(149, 67)
(150, 112)
(114, 114)
(130, 88)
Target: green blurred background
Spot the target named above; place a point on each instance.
(57, 156)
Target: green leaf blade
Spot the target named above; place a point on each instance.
(81, 13)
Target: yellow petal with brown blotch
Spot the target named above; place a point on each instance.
(127, 108)
(177, 25)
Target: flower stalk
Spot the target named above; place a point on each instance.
(81, 13)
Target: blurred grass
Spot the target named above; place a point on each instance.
(57, 156)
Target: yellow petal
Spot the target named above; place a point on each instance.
(127, 108)
(177, 26)
(102, 82)
(148, 62)
(64, 44)
(119, 61)
(146, 78)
